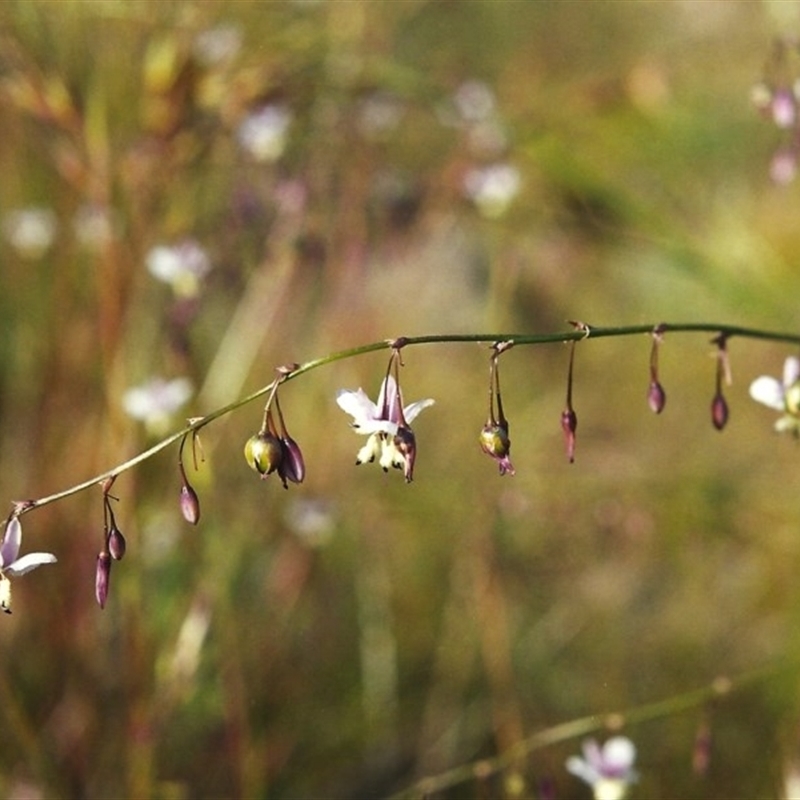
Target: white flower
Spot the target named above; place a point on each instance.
(492, 188)
(608, 770)
(263, 133)
(156, 401)
(12, 564)
(387, 423)
(181, 265)
(30, 231)
(783, 395)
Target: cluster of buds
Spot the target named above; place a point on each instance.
(272, 449)
(777, 98)
(387, 423)
(494, 439)
(114, 546)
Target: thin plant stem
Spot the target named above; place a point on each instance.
(295, 371)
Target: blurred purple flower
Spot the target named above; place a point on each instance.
(12, 564)
(783, 166)
(608, 770)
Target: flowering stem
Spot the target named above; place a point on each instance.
(583, 726)
(295, 371)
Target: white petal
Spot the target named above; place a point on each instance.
(768, 391)
(11, 541)
(619, 753)
(791, 371)
(28, 562)
(578, 767)
(410, 412)
(357, 405)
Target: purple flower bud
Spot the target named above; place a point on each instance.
(656, 397)
(190, 504)
(116, 543)
(292, 466)
(101, 578)
(719, 411)
(569, 424)
(406, 445)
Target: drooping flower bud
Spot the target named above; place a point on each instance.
(495, 443)
(263, 453)
(656, 397)
(116, 543)
(102, 577)
(190, 504)
(406, 444)
(719, 411)
(569, 424)
(292, 467)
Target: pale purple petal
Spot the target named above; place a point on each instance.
(11, 541)
(28, 562)
(390, 400)
(791, 371)
(769, 392)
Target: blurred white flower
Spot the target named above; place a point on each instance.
(781, 395)
(182, 265)
(94, 226)
(155, 402)
(30, 231)
(492, 188)
(12, 564)
(379, 112)
(219, 45)
(608, 770)
(474, 101)
(263, 133)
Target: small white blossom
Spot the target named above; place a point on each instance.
(30, 231)
(781, 395)
(492, 188)
(263, 133)
(608, 770)
(218, 46)
(12, 564)
(387, 423)
(156, 401)
(183, 266)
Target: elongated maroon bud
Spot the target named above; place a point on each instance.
(656, 397)
(102, 577)
(569, 424)
(116, 544)
(719, 411)
(292, 466)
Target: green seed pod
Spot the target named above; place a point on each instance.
(263, 453)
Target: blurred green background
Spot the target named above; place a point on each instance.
(345, 172)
